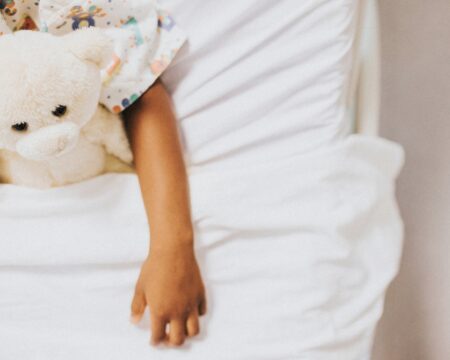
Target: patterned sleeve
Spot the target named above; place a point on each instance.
(146, 39)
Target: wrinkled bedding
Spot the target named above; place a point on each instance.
(296, 256)
(297, 228)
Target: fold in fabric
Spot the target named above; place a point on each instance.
(296, 255)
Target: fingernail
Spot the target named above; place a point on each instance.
(134, 319)
(153, 343)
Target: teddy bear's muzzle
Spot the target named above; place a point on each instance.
(49, 142)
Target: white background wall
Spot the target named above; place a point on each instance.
(416, 113)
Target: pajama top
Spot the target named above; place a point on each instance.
(145, 38)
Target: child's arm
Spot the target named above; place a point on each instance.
(170, 282)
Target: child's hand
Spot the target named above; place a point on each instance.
(171, 285)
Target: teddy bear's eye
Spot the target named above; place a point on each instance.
(23, 126)
(60, 110)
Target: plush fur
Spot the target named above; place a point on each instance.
(52, 130)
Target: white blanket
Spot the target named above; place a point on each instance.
(297, 229)
(296, 256)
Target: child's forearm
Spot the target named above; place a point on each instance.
(170, 282)
(161, 170)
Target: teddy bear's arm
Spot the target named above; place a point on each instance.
(107, 129)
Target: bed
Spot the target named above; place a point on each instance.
(293, 198)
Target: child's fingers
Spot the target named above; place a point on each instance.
(158, 329)
(138, 307)
(202, 306)
(192, 324)
(177, 332)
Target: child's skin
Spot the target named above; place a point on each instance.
(170, 282)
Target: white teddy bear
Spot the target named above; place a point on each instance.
(52, 129)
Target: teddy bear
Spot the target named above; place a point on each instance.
(53, 131)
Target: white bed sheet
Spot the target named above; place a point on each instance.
(262, 78)
(297, 228)
(296, 256)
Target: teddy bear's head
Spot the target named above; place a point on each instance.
(49, 89)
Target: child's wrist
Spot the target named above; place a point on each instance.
(172, 242)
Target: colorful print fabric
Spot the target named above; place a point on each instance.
(146, 38)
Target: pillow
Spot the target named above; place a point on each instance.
(261, 79)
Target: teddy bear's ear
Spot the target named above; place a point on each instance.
(90, 44)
